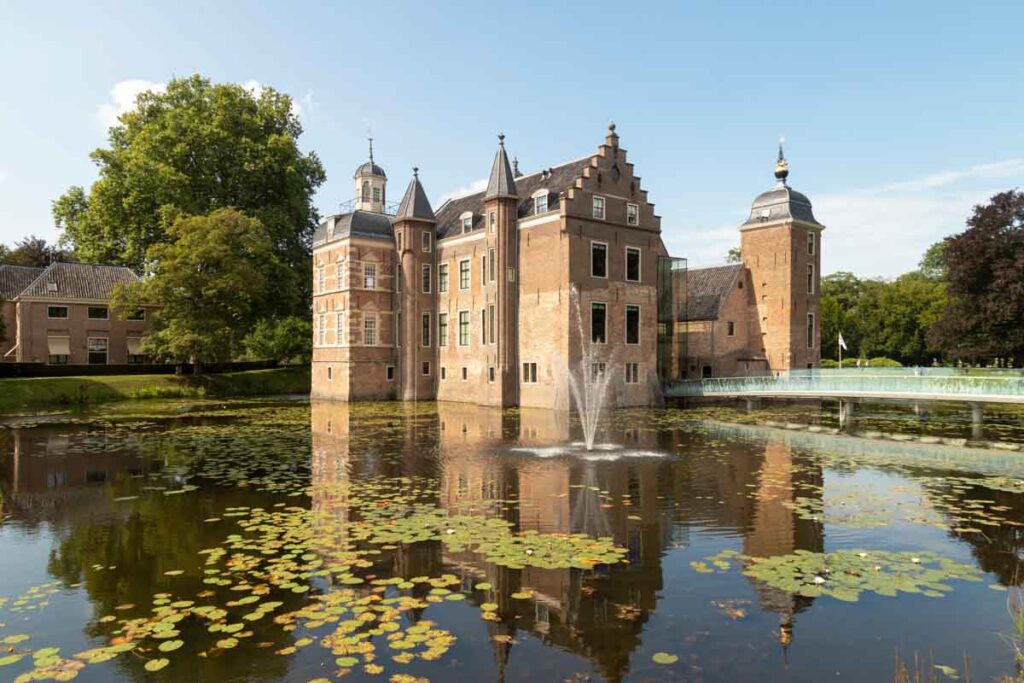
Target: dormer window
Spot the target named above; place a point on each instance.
(466, 220)
(540, 202)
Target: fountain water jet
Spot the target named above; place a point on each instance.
(589, 384)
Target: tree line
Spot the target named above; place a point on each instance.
(963, 304)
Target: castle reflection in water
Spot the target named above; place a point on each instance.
(742, 491)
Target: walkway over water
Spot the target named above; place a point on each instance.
(914, 384)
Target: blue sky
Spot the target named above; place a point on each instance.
(898, 115)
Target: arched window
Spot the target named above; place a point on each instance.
(366, 190)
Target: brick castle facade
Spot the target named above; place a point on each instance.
(477, 301)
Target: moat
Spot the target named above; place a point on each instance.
(279, 540)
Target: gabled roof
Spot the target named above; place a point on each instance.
(14, 279)
(555, 180)
(415, 205)
(355, 224)
(79, 281)
(706, 290)
(502, 182)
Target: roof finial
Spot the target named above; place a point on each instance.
(515, 167)
(415, 171)
(781, 165)
(611, 126)
(370, 138)
(501, 139)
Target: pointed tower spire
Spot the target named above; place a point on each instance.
(370, 138)
(781, 165)
(415, 205)
(502, 181)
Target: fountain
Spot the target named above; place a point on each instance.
(590, 382)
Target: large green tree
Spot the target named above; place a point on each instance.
(212, 280)
(195, 148)
(32, 251)
(985, 271)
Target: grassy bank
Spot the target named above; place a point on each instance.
(19, 395)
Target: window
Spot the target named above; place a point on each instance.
(810, 330)
(490, 321)
(425, 238)
(442, 277)
(598, 323)
(425, 276)
(490, 374)
(632, 325)
(137, 314)
(320, 278)
(390, 373)
(321, 328)
(57, 312)
(369, 330)
(329, 373)
(540, 202)
(598, 259)
(483, 269)
(98, 313)
(369, 276)
(810, 243)
(366, 190)
(376, 194)
(463, 328)
(597, 371)
(339, 328)
(492, 222)
(442, 329)
(425, 330)
(444, 373)
(464, 274)
(398, 329)
(60, 359)
(483, 325)
(137, 359)
(490, 264)
(465, 373)
(426, 367)
(632, 373)
(632, 214)
(599, 207)
(730, 329)
(530, 373)
(97, 347)
(810, 279)
(632, 264)
(398, 279)
(467, 222)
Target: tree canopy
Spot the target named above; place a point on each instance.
(985, 271)
(32, 251)
(212, 281)
(191, 150)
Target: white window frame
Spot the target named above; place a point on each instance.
(529, 372)
(639, 264)
(491, 374)
(625, 324)
(469, 329)
(810, 278)
(370, 276)
(377, 196)
(321, 333)
(339, 328)
(811, 243)
(425, 278)
(591, 327)
(599, 207)
(425, 368)
(469, 275)
(89, 351)
(491, 264)
(466, 221)
(606, 263)
(492, 222)
(483, 326)
(389, 373)
(483, 269)
(811, 330)
(632, 214)
(492, 322)
(634, 376)
(442, 339)
(321, 277)
(598, 368)
(442, 278)
(540, 207)
(371, 318)
(426, 319)
(425, 241)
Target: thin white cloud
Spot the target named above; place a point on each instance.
(122, 99)
(474, 187)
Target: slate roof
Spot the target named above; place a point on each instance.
(415, 203)
(14, 279)
(706, 290)
(502, 181)
(554, 179)
(78, 281)
(369, 168)
(781, 203)
(355, 224)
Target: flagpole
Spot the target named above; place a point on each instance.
(839, 343)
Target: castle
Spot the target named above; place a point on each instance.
(477, 302)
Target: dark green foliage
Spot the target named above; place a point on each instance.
(33, 252)
(286, 340)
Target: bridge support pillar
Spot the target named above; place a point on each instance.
(977, 420)
(845, 413)
(752, 404)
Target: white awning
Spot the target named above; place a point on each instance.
(134, 346)
(59, 346)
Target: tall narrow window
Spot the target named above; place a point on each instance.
(599, 207)
(467, 223)
(598, 259)
(632, 214)
(442, 277)
(320, 278)
(426, 367)
(483, 269)
(463, 328)
(810, 243)
(369, 330)
(598, 323)
(490, 321)
(339, 328)
(398, 329)
(810, 330)
(632, 264)
(464, 274)
(425, 331)
(369, 276)
(810, 279)
(632, 324)
(597, 370)
(492, 221)
(376, 194)
(632, 373)
(425, 277)
(426, 240)
(483, 325)
(490, 264)
(730, 329)
(442, 329)
(366, 190)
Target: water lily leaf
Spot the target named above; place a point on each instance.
(155, 665)
(664, 658)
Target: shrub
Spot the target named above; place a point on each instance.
(882, 362)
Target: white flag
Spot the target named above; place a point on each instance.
(842, 342)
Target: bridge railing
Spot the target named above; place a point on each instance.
(825, 382)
